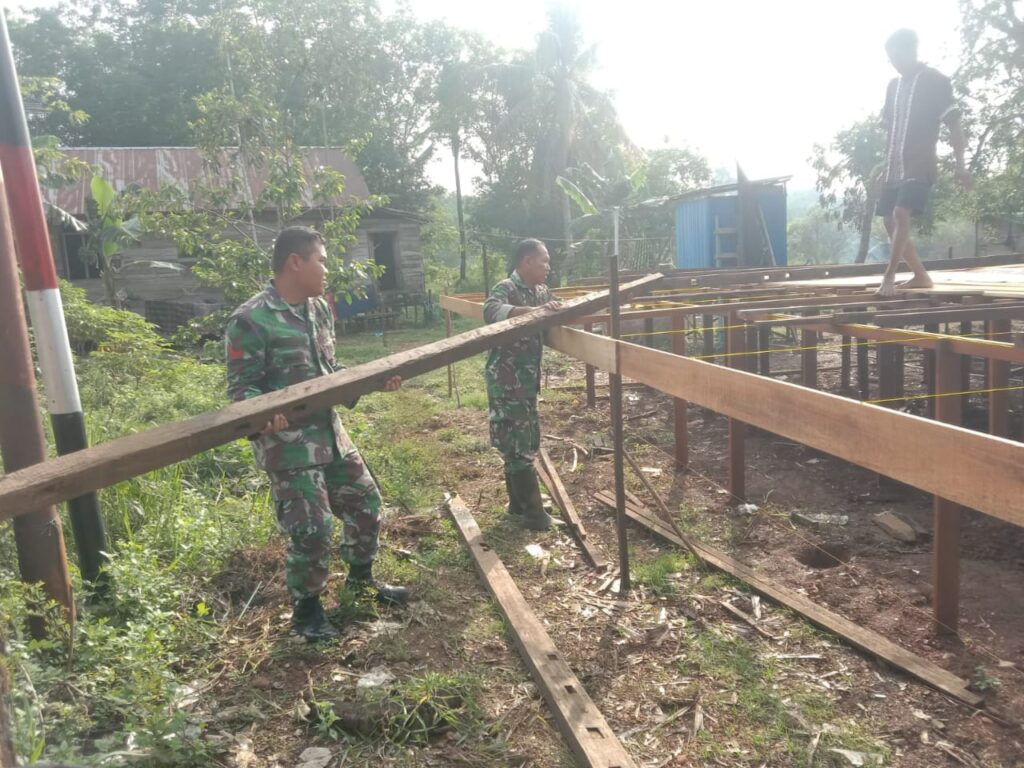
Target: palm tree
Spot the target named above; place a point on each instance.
(568, 112)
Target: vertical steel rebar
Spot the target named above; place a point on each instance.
(615, 393)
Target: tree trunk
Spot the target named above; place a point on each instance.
(456, 148)
(567, 265)
(487, 268)
(109, 283)
(865, 229)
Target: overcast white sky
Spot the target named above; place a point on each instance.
(752, 81)
(742, 80)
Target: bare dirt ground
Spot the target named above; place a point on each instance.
(681, 680)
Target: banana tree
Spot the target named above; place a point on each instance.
(107, 233)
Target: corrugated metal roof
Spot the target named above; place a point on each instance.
(725, 188)
(183, 167)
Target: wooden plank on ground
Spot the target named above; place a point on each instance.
(549, 476)
(581, 723)
(979, 471)
(107, 463)
(855, 634)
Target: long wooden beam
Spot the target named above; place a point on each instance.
(992, 350)
(976, 470)
(855, 634)
(581, 723)
(549, 476)
(708, 277)
(1009, 311)
(107, 463)
(723, 277)
(883, 304)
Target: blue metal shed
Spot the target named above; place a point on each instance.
(700, 213)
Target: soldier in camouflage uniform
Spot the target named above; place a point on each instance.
(283, 336)
(513, 381)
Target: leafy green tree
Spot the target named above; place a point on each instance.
(849, 176)
(109, 229)
(991, 83)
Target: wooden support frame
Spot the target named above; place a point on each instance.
(774, 277)
(764, 346)
(708, 326)
(736, 345)
(844, 364)
(808, 310)
(589, 376)
(946, 555)
(107, 463)
(973, 469)
(998, 379)
(680, 408)
(977, 312)
(863, 370)
(809, 358)
(992, 350)
(591, 739)
(856, 635)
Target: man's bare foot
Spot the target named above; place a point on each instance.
(917, 282)
(887, 289)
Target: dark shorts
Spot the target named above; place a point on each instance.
(912, 195)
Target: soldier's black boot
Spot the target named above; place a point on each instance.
(360, 579)
(310, 621)
(530, 501)
(515, 505)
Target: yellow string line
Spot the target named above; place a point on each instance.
(764, 297)
(849, 565)
(860, 343)
(944, 394)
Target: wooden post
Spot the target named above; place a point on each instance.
(38, 536)
(764, 345)
(751, 345)
(615, 395)
(649, 331)
(966, 329)
(591, 389)
(946, 558)
(809, 358)
(998, 378)
(890, 373)
(447, 334)
(680, 406)
(890, 385)
(928, 360)
(844, 365)
(708, 323)
(863, 370)
(487, 267)
(735, 344)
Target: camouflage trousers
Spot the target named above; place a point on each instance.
(515, 431)
(307, 500)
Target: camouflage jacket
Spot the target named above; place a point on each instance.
(271, 345)
(513, 370)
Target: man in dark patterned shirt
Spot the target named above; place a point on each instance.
(513, 381)
(282, 336)
(916, 104)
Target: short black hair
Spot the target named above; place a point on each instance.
(525, 247)
(298, 240)
(902, 40)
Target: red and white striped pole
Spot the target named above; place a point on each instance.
(46, 312)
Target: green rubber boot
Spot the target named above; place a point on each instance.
(532, 505)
